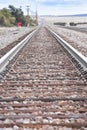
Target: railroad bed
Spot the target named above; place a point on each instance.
(75, 38)
(10, 37)
(42, 89)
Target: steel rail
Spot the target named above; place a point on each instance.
(10, 55)
(76, 54)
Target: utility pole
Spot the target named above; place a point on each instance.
(36, 13)
(28, 10)
(36, 17)
(20, 7)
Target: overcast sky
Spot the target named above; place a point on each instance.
(49, 7)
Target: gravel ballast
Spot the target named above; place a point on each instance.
(9, 35)
(77, 39)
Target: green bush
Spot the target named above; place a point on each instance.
(11, 16)
(60, 23)
(6, 18)
(72, 24)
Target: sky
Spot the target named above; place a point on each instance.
(48, 7)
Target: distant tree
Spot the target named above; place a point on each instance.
(6, 12)
(18, 14)
(72, 24)
(6, 18)
(60, 23)
(12, 15)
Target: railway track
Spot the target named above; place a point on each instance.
(42, 89)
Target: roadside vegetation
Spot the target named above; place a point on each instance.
(70, 24)
(60, 23)
(11, 16)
